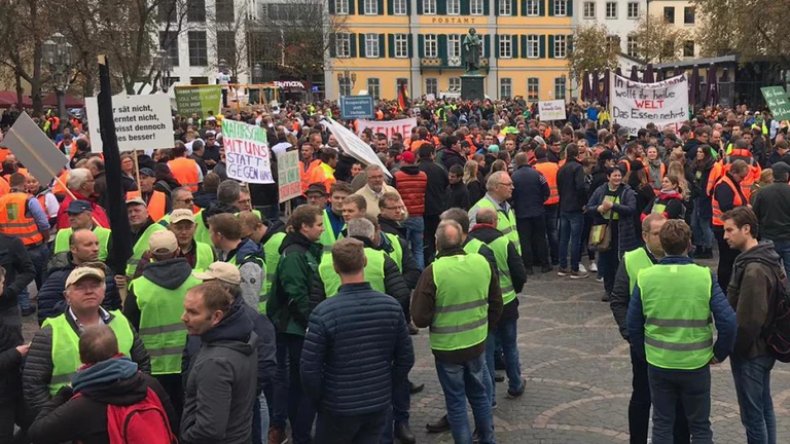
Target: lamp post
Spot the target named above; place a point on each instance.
(346, 82)
(163, 64)
(56, 53)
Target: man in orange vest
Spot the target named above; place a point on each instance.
(307, 165)
(157, 202)
(727, 195)
(551, 206)
(186, 171)
(531, 190)
(325, 171)
(21, 216)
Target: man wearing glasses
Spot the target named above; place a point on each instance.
(500, 189)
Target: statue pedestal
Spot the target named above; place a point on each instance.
(472, 86)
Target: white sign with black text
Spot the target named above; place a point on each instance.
(141, 122)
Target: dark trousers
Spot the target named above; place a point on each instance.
(532, 235)
(609, 260)
(290, 402)
(727, 257)
(692, 388)
(429, 237)
(553, 231)
(399, 413)
(174, 387)
(360, 429)
(639, 406)
(11, 413)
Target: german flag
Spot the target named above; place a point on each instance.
(403, 97)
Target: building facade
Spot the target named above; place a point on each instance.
(377, 45)
(620, 17)
(680, 14)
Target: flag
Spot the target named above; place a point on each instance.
(403, 97)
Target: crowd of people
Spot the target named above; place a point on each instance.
(233, 322)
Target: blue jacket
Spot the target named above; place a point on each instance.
(357, 346)
(723, 316)
(626, 228)
(530, 190)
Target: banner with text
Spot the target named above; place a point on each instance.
(198, 99)
(141, 122)
(288, 175)
(388, 127)
(551, 110)
(247, 153)
(777, 100)
(635, 104)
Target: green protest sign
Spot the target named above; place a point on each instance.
(777, 101)
(198, 99)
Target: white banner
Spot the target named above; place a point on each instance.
(551, 110)
(352, 145)
(635, 104)
(388, 127)
(141, 122)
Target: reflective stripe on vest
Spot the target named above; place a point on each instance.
(161, 328)
(15, 220)
(461, 315)
(397, 251)
(66, 351)
(140, 247)
(499, 247)
(736, 200)
(374, 272)
(635, 261)
(102, 234)
(271, 252)
(676, 306)
(506, 222)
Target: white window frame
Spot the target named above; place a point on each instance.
(431, 46)
(343, 45)
(560, 46)
(533, 8)
(453, 7)
(588, 7)
(560, 8)
(401, 46)
(371, 7)
(454, 45)
(399, 7)
(434, 89)
(505, 82)
(372, 50)
(557, 82)
(341, 7)
(632, 46)
(533, 46)
(537, 88)
(429, 7)
(505, 8)
(632, 6)
(345, 87)
(454, 84)
(611, 17)
(476, 7)
(377, 87)
(505, 49)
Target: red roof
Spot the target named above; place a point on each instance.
(8, 98)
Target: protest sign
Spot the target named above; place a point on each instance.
(198, 99)
(635, 104)
(34, 149)
(288, 175)
(141, 122)
(777, 101)
(356, 107)
(352, 145)
(388, 127)
(551, 110)
(247, 154)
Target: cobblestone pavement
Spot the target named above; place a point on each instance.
(578, 375)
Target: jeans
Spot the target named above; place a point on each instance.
(552, 231)
(532, 234)
(289, 400)
(753, 387)
(571, 237)
(461, 382)
(727, 257)
(639, 406)
(39, 255)
(692, 388)
(609, 260)
(359, 429)
(415, 230)
(429, 237)
(701, 231)
(783, 248)
(399, 413)
(507, 334)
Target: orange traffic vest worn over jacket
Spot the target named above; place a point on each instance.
(306, 175)
(186, 172)
(549, 171)
(157, 203)
(737, 201)
(15, 220)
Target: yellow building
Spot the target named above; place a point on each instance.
(378, 44)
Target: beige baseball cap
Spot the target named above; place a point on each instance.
(181, 215)
(84, 272)
(135, 201)
(221, 271)
(162, 242)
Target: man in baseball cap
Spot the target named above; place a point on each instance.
(80, 215)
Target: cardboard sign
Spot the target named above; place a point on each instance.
(388, 127)
(288, 175)
(777, 101)
(198, 99)
(356, 107)
(247, 153)
(34, 149)
(635, 104)
(551, 110)
(352, 145)
(141, 122)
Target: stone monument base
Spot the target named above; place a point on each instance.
(472, 87)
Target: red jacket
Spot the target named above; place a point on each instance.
(99, 215)
(411, 184)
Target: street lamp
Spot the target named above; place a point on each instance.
(56, 53)
(163, 64)
(347, 82)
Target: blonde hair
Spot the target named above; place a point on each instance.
(676, 169)
(470, 171)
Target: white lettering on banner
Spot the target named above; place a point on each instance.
(551, 110)
(288, 84)
(635, 104)
(388, 127)
(247, 154)
(141, 122)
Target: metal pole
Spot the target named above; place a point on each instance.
(60, 93)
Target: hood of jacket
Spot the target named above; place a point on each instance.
(273, 227)
(170, 273)
(485, 233)
(234, 331)
(246, 248)
(764, 252)
(65, 262)
(114, 381)
(412, 169)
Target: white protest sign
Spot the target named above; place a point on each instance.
(635, 104)
(388, 127)
(34, 149)
(247, 153)
(352, 145)
(551, 110)
(141, 122)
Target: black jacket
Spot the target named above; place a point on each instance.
(772, 207)
(10, 359)
(218, 395)
(452, 157)
(392, 227)
(621, 296)
(436, 192)
(571, 187)
(459, 196)
(410, 271)
(530, 190)
(19, 269)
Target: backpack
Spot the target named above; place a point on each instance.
(777, 331)
(142, 423)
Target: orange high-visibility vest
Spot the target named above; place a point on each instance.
(59, 188)
(15, 221)
(4, 187)
(549, 171)
(157, 203)
(305, 176)
(186, 172)
(736, 201)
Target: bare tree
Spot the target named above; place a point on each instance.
(659, 41)
(226, 26)
(593, 49)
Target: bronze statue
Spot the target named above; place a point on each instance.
(473, 46)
